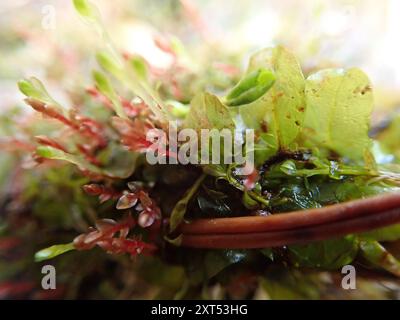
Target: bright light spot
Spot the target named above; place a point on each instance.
(261, 29)
(139, 39)
(334, 23)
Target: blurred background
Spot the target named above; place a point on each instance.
(46, 38)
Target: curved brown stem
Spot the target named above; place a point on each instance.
(294, 236)
(293, 220)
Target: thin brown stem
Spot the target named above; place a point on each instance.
(293, 220)
(295, 236)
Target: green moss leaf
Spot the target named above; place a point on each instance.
(86, 10)
(56, 154)
(105, 87)
(139, 66)
(339, 105)
(329, 254)
(390, 233)
(284, 103)
(53, 251)
(34, 88)
(208, 112)
(278, 115)
(180, 208)
(251, 87)
(375, 253)
(217, 260)
(122, 169)
(130, 76)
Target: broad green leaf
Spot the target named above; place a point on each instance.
(278, 115)
(53, 251)
(378, 256)
(180, 208)
(265, 146)
(339, 105)
(329, 254)
(208, 112)
(217, 260)
(390, 233)
(213, 206)
(105, 87)
(282, 107)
